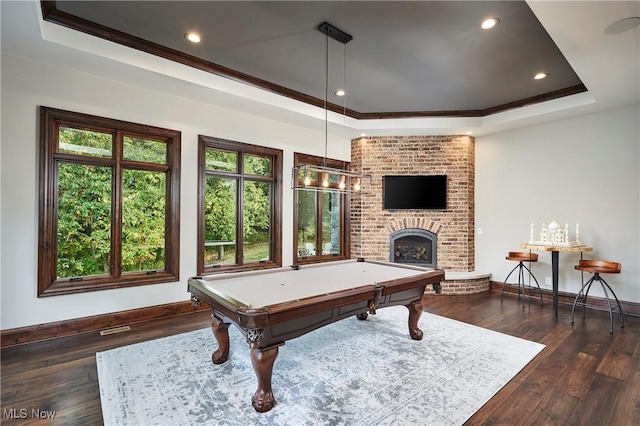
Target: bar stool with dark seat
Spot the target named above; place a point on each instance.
(597, 267)
(522, 257)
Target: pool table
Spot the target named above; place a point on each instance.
(275, 305)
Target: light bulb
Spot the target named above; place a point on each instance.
(192, 37)
(307, 179)
(341, 185)
(356, 186)
(325, 180)
(489, 23)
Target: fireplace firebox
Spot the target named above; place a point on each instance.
(414, 246)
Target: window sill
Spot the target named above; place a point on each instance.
(96, 284)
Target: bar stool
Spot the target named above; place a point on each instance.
(597, 267)
(522, 257)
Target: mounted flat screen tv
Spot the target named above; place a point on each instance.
(414, 192)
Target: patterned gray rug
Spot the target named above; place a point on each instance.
(348, 373)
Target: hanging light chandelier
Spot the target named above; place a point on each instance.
(320, 178)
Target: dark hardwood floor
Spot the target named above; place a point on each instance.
(584, 376)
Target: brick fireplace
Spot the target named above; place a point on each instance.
(372, 227)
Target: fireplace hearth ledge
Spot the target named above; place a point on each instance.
(463, 282)
(461, 275)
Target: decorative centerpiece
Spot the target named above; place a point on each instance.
(554, 235)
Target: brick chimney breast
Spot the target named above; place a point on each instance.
(371, 226)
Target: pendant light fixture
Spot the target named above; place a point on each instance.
(320, 178)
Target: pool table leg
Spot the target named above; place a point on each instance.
(262, 360)
(415, 311)
(221, 333)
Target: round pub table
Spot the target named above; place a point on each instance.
(555, 250)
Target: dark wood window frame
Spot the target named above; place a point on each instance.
(345, 227)
(51, 120)
(241, 149)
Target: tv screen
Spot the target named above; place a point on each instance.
(414, 192)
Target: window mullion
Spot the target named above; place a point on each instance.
(343, 224)
(240, 209)
(319, 223)
(116, 216)
(240, 219)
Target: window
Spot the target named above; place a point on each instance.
(321, 218)
(109, 203)
(240, 195)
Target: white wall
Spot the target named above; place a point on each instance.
(27, 85)
(582, 170)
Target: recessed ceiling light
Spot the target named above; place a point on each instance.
(192, 37)
(339, 92)
(363, 134)
(489, 23)
(541, 75)
(469, 133)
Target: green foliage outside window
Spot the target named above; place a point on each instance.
(84, 220)
(217, 159)
(143, 219)
(255, 165)
(137, 149)
(331, 222)
(85, 142)
(220, 209)
(256, 220)
(222, 182)
(306, 219)
(322, 215)
(85, 203)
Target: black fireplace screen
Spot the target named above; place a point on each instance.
(414, 246)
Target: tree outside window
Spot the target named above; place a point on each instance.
(109, 203)
(321, 231)
(240, 215)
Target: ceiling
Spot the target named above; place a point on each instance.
(405, 57)
(420, 66)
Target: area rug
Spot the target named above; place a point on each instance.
(348, 373)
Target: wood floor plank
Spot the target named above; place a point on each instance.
(598, 408)
(622, 411)
(618, 358)
(577, 379)
(554, 408)
(511, 414)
